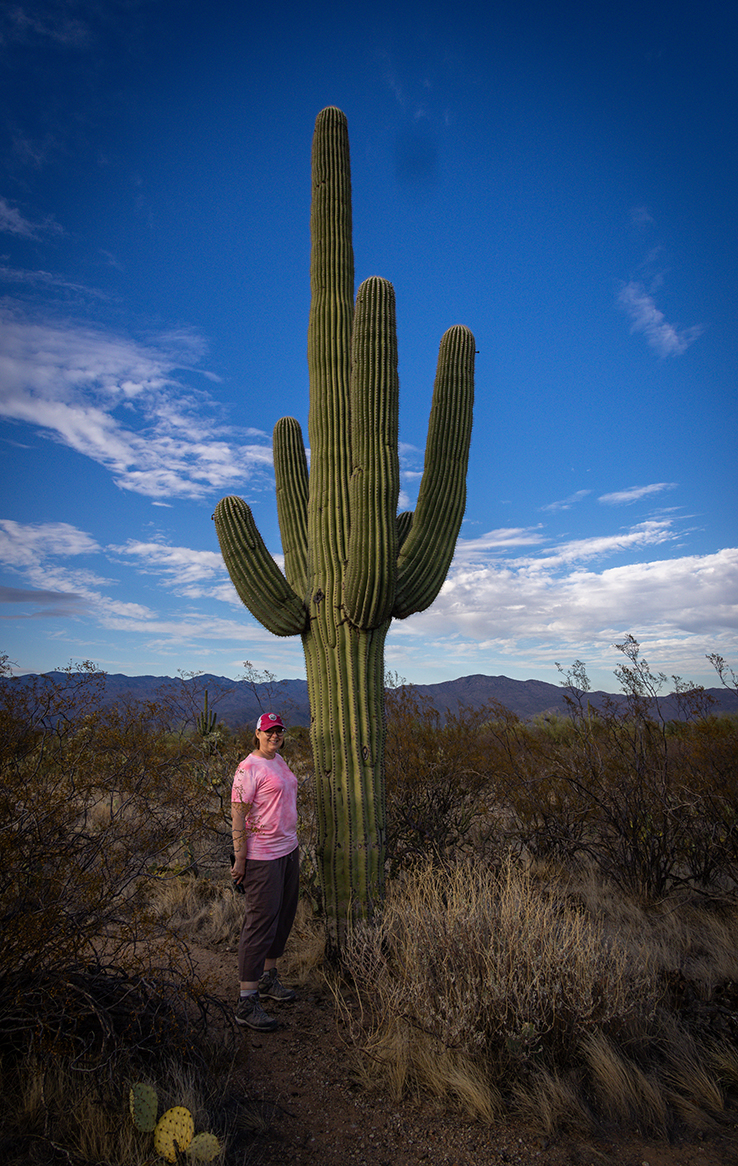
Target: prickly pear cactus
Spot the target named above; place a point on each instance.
(173, 1132)
(351, 564)
(143, 1104)
(203, 1148)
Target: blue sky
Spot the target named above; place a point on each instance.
(560, 178)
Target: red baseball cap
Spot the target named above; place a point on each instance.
(268, 721)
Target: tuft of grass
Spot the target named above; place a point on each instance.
(624, 1093)
(552, 1103)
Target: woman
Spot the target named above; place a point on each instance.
(264, 814)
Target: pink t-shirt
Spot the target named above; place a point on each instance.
(269, 791)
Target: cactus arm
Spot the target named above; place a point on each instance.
(427, 551)
(369, 588)
(291, 474)
(256, 577)
(329, 354)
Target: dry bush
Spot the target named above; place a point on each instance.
(98, 804)
(490, 969)
(200, 910)
(436, 793)
(651, 802)
(95, 802)
(479, 985)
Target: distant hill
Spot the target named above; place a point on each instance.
(238, 703)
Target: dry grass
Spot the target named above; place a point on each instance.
(208, 912)
(479, 985)
(205, 910)
(623, 1092)
(553, 1103)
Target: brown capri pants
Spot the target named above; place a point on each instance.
(271, 889)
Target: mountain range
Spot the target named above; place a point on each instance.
(239, 702)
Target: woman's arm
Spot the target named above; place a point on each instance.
(238, 828)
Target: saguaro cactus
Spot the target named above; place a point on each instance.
(351, 563)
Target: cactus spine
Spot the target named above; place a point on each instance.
(351, 563)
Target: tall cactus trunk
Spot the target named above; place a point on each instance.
(351, 563)
(346, 689)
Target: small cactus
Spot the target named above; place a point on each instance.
(203, 1148)
(143, 1104)
(207, 719)
(173, 1132)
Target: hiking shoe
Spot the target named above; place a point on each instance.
(249, 1011)
(272, 987)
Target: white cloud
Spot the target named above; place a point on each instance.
(181, 565)
(635, 493)
(494, 540)
(30, 550)
(23, 23)
(25, 545)
(119, 403)
(567, 503)
(46, 279)
(12, 222)
(666, 339)
(526, 615)
(644, 534)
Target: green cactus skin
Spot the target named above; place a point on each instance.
(352, 563)
(173, 1132)
(203, 1148)
(143, 1104)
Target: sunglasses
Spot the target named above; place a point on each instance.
(274, 732)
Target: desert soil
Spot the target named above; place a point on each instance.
(303, 1105)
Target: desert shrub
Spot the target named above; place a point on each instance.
(518, 988)
(99, 803)
(651, 801)
(437, 779)
(94, 801)
(492, 965)
(540, 817)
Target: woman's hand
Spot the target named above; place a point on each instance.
(238, 870)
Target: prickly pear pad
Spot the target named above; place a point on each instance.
(143, 1104)
(173, 1132)
(203, 1148)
